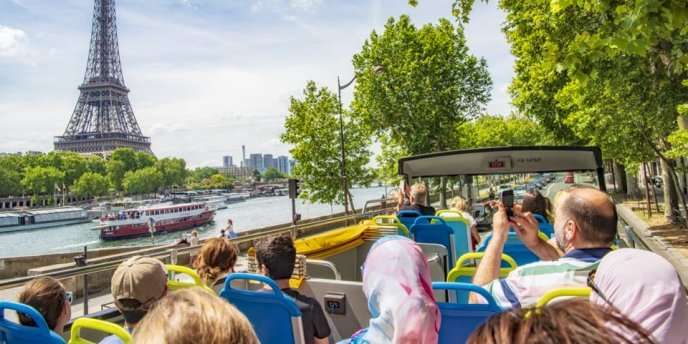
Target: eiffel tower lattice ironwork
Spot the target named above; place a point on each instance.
(103, 119)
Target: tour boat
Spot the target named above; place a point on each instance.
(157, 219)
(35, 219)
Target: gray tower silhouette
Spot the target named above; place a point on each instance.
(103, 119)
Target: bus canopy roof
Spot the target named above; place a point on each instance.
(502, 160)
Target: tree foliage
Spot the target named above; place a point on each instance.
(494, 131)
(42, 180)
(429, 86)
(312, 128)
(173, 171)
(272, 174)
(91, 184)
(143, 181)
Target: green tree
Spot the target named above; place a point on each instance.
(116, 169)
(256, 175)
(219, 181)
(91, 184)
(201, 173)
(272, 174)
(143, 181)
(9, 182)
(494, 131)
(144, 160)
(127, 156)
(42, 180)
(312, 128)
(430, 84)
(96, 164)
(173, 171)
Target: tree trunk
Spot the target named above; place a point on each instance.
(611, 165)
(620, 171)
(633, 188)
(351, 201)
(443, 192)
(647, 191)
(670, 195)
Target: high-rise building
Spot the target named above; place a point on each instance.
(267, 161)
(283, 164)
(256, 162)
(243, 156)
(227, 161)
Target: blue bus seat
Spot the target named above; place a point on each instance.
(464, 271)
(275, 317)
(462, 230)
(514, 248)
(408, 217)
(460, 319)
(545, 227)
(434, 230)
(11, 332)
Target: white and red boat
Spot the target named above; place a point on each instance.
(161, 218)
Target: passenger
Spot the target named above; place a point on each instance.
(535, 203)
(584, 228)
(49, 297)
(571, 321)
(397, 284)
(646, 288)
(194, 238)
(215, 260)
(418, 193)
(222, 234)
(460, 204)
(137, 285)
(276, 257)
(193, 315)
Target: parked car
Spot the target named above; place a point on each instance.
(520, 191)
(658, 182)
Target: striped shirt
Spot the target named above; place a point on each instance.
(527, 283)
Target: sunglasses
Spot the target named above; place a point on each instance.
(596, 289)
(69, 297)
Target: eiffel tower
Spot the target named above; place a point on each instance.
(103, 119)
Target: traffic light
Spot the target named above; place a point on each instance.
(294, 188)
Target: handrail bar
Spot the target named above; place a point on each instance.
(326, 264)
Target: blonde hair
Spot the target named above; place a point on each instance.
(458, 203)
(193, 315)
(217, 257)
(418, 192)
(47, 296)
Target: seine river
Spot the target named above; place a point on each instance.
(253, 213)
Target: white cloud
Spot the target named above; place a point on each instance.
(13, 42)
(306, 5)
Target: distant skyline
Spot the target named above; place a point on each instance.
(205, 76)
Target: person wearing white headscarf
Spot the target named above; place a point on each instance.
(397, 283)
(646, 288)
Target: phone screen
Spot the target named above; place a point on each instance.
(507, 198)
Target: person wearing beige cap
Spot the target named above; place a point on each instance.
(137, 285)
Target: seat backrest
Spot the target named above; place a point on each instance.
(462, 230)
(275, 317)
(562, 292)
(389, 220)
(12, 332)
(514, 248)
(460, 319)
(174, 284)
(545, 227)
(433, 230)
(465, 269)
(408, 217)
(97, 325)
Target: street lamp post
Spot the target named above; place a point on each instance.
(340, 87)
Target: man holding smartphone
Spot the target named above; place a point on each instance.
(584, 227)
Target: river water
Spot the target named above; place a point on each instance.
(253, 213)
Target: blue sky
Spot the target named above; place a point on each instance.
(206, 76)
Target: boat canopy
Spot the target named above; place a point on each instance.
(504, 160)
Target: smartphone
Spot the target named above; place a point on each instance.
(507, 198)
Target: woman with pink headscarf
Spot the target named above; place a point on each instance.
(646, 288)
(397, 283)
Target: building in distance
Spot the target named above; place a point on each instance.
(227, 161)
